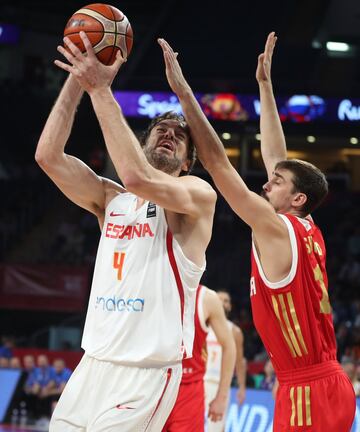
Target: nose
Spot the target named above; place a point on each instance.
(266, 187)
(169, 133)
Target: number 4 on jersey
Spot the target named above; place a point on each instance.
(119, 258)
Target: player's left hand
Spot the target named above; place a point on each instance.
(173, 70)
(263, 71)
(240, 395)
(86, 68)
(217, 409)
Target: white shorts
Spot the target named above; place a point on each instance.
(105, 397)
(211, 389)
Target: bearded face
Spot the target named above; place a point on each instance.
(167, 146)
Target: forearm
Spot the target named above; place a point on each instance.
(123, 147)
(59, 123)
(208, 145)
(241, 372)
(273, 144)
(227, 370)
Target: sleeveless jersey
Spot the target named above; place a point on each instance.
(293, 317)
(142, 301)
(214, 350)
(194, 367)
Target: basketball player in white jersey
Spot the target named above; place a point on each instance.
(188, 412)
(154, 233)
(214, 365)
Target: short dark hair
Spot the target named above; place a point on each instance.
(307, 179)
(171, 115)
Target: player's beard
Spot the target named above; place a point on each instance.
(161, 161)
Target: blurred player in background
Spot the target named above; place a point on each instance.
(155, 230)
(214, 361)
(288, 285)
(188, 412)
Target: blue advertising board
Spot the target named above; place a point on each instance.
(237, 107)
(9, 379)
(256, 413)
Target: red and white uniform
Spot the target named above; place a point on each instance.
(294, 320)
(188, 412)
(212, 378)
(140, 315)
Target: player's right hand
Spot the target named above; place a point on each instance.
(86, 68)
(263, 70)
(217, 409)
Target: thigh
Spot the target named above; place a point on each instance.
(136, 399)
(188, 412)
(74, 406)
(326, 405)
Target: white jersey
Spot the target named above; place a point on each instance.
(142, 301)
(214, 351)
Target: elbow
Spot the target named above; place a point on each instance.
(134, 182)
(45, 159)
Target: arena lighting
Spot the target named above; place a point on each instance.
(354, 140)
(258, 137)
(337, 46)
(226, 136)
(310, 139)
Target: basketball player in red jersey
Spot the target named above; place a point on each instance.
(189, 410)
(151, 256)
(288, 286)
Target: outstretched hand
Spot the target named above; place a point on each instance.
(86, 68)
(173, 70)
(263, 71)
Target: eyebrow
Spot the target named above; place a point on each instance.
(178, 127)
(278, 175)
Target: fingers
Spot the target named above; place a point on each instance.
(118, 61)
(87, 44)
(67, 68)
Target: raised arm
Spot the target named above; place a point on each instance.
(73, 177)
(273, 144)
(254, 210)
(188, 195)
(218, 323)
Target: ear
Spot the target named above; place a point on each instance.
(185, 165)
(299, 200)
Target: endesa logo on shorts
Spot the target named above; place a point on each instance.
(119, 304)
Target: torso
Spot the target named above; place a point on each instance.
(214, 350)
(293, 317)
(134, 279)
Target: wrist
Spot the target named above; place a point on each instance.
(100, 92)
(265, 85)
(185, 93)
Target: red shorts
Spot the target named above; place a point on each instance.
(318, 398)
(188, 414)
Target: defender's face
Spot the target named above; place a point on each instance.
(279, 190)
(225, 300)
(167, 147)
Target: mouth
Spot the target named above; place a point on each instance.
(167, 145)
(264, 195)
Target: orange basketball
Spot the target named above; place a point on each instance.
(107, 28)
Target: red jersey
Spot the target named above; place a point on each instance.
(194, 368)
(293, 317)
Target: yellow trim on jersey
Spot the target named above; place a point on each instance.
(296, 322)
(288, 325)
(299, 406)
(308, 406)
(277, 313)
(293, 409)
